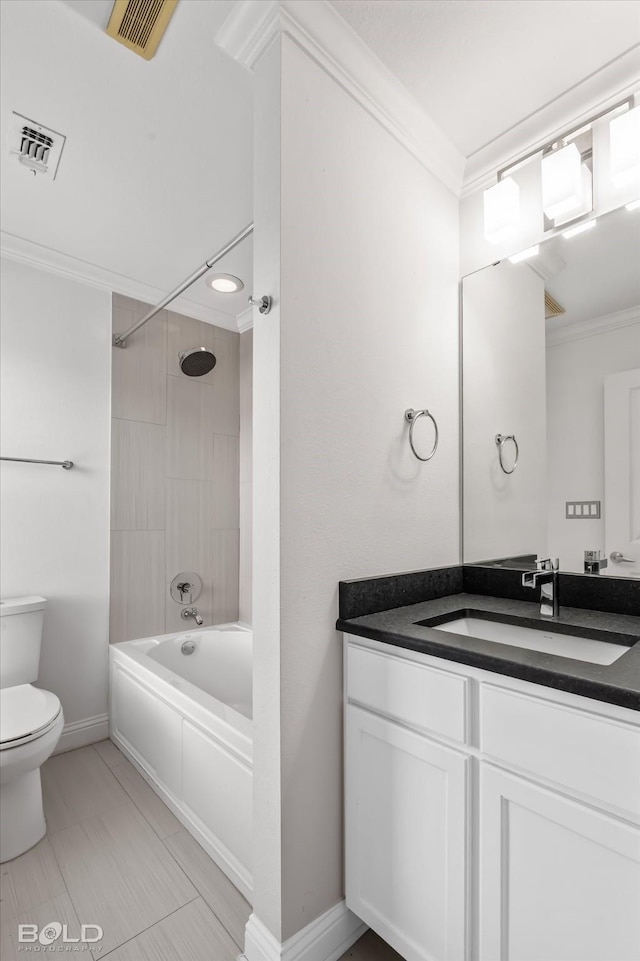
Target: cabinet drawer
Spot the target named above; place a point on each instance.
(587, 753)
(420, 696)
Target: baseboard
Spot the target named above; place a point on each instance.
(325, 939)
(81, 733)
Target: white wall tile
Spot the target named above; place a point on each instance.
(137, 475)
(184, 480)
(137, 584)
(225, 562)
(139, 370)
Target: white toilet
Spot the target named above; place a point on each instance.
(31, 723)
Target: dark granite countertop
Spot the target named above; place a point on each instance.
(616, 683)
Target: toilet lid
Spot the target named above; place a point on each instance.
(25, 712)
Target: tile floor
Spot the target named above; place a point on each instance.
(116, 856)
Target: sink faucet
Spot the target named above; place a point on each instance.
(192, 612)
(547, 577)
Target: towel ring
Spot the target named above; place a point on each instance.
(411, 416)
(501, 440)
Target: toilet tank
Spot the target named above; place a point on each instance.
(20, 635)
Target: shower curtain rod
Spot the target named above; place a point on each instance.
(120, 340)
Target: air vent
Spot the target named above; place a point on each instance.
(37, 148)
(551, 306)
(140, 24)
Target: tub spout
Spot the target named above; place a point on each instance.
(192, 612)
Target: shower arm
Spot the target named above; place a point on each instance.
(120, 340)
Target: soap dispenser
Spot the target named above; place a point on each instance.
(593, 562)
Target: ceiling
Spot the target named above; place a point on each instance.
(479, 67)
(595, 273)
(156, 173)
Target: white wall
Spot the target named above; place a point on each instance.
(365, 326)
(55, 378)
(504, 392)
(246, 475)
(575, 400)
(267, 816)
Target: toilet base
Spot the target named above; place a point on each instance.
(22, 821)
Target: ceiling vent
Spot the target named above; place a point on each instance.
(551, 306)
(37, 148)
(140, 24)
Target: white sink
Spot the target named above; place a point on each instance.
(546, 641)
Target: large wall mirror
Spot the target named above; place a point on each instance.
(551, 363)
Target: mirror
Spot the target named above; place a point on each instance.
(551, 357)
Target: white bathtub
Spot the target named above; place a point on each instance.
(185, 721)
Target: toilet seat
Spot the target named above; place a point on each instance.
(26, 713)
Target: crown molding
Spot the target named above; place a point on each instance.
(602, 90)
(244, 320)
(324, 35)
(597, 325)
(547, 264)
(46, 258)
(249, 31)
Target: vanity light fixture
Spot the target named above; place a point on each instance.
(579, 229)
(566, 171)
(501, 210)
(225, 283)
(566, 182)
(624, 134)
(525, 254)
(634, 205)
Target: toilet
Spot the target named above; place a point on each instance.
(31, 722)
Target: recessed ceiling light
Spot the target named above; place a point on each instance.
(634, 205)
(225, 283)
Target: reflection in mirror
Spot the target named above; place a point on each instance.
(551, 358)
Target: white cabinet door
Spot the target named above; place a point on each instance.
(559, 881)
(406, 837)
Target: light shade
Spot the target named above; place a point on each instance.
(562, 182)
(501, 210)
(624, 134)
(586, 199)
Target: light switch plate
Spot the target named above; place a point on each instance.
(582, 510)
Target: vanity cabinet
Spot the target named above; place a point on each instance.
(406, 844)
(487, 817)
(558, 879)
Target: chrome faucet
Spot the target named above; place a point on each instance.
(547, 577)
(192, 612)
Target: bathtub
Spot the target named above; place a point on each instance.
(184, 720)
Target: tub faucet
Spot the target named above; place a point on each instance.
(547, 577)
(192, 612)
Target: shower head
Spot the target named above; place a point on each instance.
(196, 361)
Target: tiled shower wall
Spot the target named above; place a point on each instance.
(174, 475)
